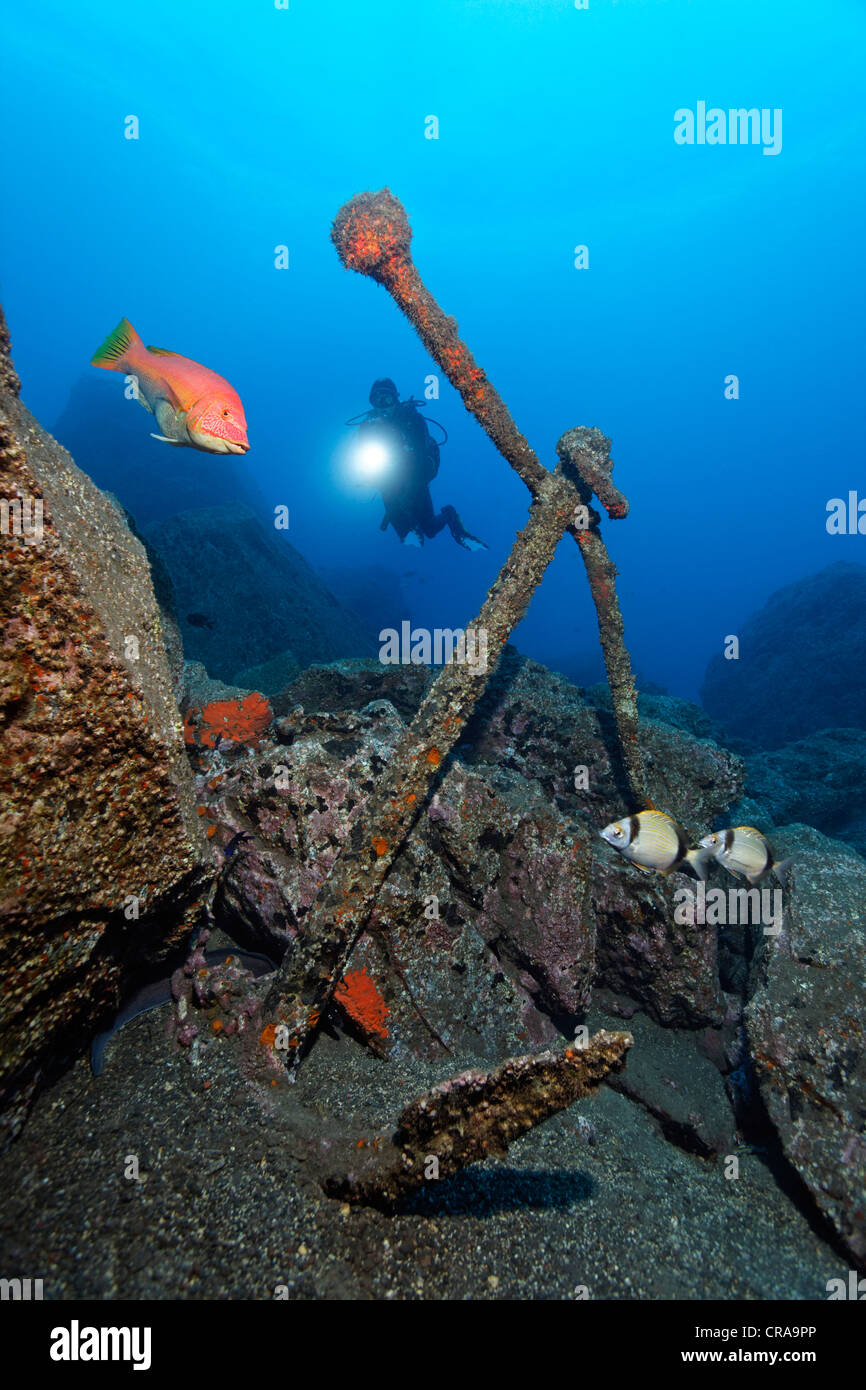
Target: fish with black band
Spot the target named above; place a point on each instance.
(653, 841)
(745, 853)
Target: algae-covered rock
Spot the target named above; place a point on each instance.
(818, 780)
(503, 904)
(482, 934)
(270, 677)
(101, 855)
(806, 1025)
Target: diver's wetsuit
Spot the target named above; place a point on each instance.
(406, 490)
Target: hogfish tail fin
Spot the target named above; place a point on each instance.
(115, 351)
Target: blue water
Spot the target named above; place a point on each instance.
(555, 129)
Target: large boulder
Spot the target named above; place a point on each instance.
(508, 848)
(244, 595)
(102, 859)
(539, 725)
(801, 665)
(805, 1025)
(818, 780)
(483, 934)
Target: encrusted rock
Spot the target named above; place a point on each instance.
(806, 1026)
(490, 893)
(257, 593)
(102, 860)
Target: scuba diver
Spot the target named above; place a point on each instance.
(397, 453)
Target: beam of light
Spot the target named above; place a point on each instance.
(371, 459)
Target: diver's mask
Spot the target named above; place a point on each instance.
(384, 395)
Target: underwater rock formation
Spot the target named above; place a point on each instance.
(375, 593)
(163, 590)
(802, 662)
(270, 677)
(535, 722)
(504, 850)
(102, 860)
(806, 1024)
(670, 1075)
(473, 948)
(259, 596)
(819, 780)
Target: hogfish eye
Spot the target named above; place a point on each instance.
(226, 414)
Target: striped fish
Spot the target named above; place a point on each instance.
(653, 841)
(745, 853)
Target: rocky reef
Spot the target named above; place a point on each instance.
(504, 919)
(801, 665)
(818, 779)
(805, 1025)
(249, 606)
(102, 857)
(419, 857)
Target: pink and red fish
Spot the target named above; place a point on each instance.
(192, 405)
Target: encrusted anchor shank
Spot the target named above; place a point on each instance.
(372, 235)
(585, 459)
(470, 1117)
(318, 956)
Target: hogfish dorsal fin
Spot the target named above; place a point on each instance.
(163, 352)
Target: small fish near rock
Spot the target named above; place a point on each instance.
(192, 405)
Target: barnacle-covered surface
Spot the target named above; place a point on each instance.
(101, 855)
(470, 1116)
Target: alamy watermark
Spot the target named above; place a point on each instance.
(20, 1290)
(77, 1343)
(440, 647)
(22, 516)
(846, 516)
(717, 907)
(736, 126)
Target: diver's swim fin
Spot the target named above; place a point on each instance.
(462, 536)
